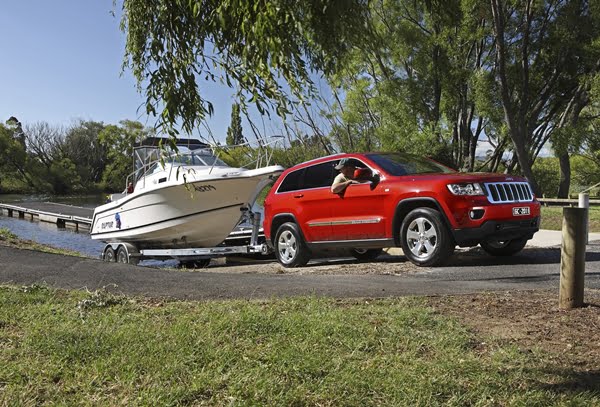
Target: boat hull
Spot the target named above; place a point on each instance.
(199, 213)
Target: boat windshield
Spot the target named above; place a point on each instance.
(198, 158)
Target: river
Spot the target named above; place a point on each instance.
(48, 233)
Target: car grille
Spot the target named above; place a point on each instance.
(504, 192)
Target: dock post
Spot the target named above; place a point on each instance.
(584, 202)
(572, 258)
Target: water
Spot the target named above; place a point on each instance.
(48, 233)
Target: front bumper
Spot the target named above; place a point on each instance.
(500, 230)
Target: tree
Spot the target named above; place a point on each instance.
(421, 84)
(255, 45)
(12, 155)
(234, 131)
(82, 147)
(118, 142)
(536, 46)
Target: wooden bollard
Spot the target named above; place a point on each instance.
(572, 258)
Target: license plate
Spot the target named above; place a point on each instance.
(521, 211)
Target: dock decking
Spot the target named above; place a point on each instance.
(67, 216)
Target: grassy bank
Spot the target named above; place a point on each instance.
(77, 348)
(552, 218)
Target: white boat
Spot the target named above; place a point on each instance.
(191, 199)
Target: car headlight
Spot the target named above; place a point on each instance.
(472, 188)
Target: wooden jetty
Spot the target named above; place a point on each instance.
(63, 216)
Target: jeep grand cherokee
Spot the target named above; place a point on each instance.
(412, 202)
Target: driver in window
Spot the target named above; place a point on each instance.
(345, 177)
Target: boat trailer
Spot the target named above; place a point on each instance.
(123, 252)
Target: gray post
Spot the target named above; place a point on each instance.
(584, 202)
(572, 258)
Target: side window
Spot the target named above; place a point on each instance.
(291, 181)
(320, 175)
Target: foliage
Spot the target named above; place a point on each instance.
(13, 158)
(82, 147)
(441, 76)
(251, 45)
(552, 218)
(118, 142)
(234, 131)
(586, 174)
(546, 172)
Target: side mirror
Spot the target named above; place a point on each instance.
(375, 178)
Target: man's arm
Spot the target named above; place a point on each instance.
(340, 184)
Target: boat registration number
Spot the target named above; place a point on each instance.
(204, 188)
(520, 211)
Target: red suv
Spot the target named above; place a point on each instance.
(424, 207)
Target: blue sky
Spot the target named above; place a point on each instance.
(61, 61)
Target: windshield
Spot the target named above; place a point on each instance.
(200, 158)
(407, 164)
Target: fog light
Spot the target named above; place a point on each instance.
(476, 214)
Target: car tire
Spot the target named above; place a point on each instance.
(425, 238)
(366, 254)
(290, 248)
(503, 247)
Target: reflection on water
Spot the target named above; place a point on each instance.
(48, 233)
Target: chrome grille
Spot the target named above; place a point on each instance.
(504, 192)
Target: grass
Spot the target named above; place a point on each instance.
(552, 218)
(81, 348)
(7, 238)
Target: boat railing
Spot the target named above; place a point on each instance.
(263, 158)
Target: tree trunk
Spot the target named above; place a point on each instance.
(565, 175)
(516, 126)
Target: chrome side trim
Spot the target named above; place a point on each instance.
(367, 243)
(346, 222)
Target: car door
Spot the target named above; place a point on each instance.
(359, 212)
(314, 201)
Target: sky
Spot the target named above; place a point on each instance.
(61, 62)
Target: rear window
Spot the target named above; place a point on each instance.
(291, 181)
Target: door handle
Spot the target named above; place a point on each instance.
(298, 196)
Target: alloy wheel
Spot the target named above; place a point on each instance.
(421, 237)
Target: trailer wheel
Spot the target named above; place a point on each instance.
(109, 255)
(124, 257)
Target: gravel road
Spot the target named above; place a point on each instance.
(469, 271)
